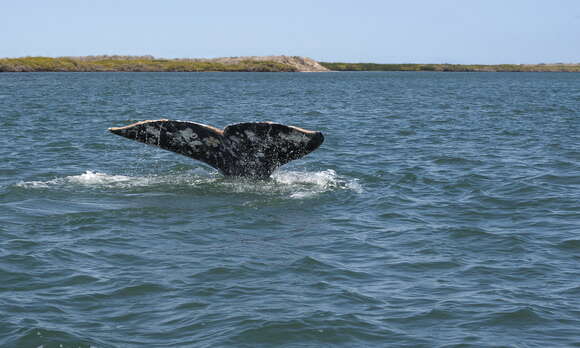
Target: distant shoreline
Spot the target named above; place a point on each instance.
(246, 64)
(453, 67)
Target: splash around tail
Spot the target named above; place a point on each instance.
(253, 149)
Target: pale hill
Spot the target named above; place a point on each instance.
(303, 64)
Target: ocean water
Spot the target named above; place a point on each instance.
(442, 210)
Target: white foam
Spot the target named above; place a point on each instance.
(33, 184)
(93, 178)
(323, 180)
(303, 185)
(292, 184)
(302, 194)
(88, 178)
(354, 186)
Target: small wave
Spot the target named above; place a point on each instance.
(517, 317)
(558, 179)
(434, 314)
(41, 337)
(425, 265)
(406, 132)
(569, 244)
(313, 113)
(220, 273)
(355, 296)
(572, 290)
(313, 266)
(454, 160)
(144, 289)
(312, 330)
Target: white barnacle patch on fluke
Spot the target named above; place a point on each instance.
(153, 135)
(294, 137)
(211, 141)
(251, 135)
(187, 136)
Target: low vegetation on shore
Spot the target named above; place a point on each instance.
(250, 64)
(145, 63)
(451, 67)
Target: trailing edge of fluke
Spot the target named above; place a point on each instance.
(253, 149)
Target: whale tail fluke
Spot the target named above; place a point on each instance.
(253, 149)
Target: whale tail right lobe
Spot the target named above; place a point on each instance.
(253, 149)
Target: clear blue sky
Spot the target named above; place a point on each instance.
(417, 31)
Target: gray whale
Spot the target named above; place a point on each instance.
(253, 149)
